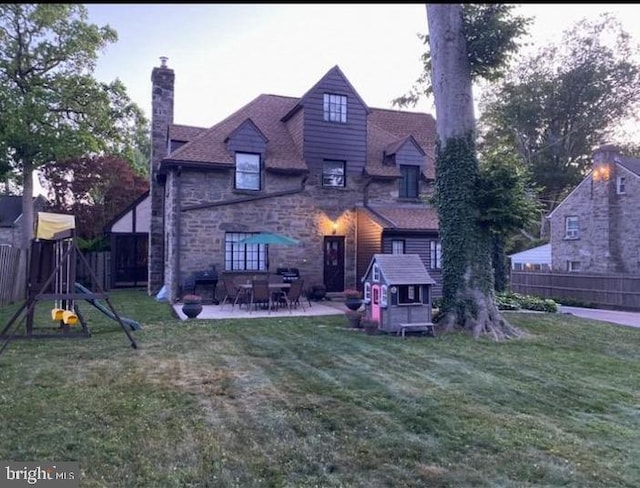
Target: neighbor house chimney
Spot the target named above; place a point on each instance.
(162, 84)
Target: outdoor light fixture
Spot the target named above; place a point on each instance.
(334, 228)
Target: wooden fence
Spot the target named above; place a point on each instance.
(607, 291)
(9, 265)
(13, 280)
(100, 264)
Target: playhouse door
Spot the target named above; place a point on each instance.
(375, 303)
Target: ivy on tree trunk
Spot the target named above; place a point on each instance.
(468, 299)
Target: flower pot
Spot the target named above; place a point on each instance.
(192, 310)
(353, 303)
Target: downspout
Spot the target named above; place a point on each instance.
(177, 239)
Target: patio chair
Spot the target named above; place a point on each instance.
(233, 293)
(260, 294)
(294, 294)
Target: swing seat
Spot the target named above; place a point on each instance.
(69, 317)
(57, 314)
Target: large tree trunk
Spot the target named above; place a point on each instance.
(466, 246)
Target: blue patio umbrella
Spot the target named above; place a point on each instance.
(270, 238)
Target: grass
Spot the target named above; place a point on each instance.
(304, 402)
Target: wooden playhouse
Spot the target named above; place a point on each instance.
(397, 293)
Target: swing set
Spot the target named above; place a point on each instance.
(52, 276)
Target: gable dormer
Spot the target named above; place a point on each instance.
(332, 120)
(406, 155)
(248, 145)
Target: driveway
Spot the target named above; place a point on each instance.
(616, 317)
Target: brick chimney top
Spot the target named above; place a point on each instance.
(163, 61)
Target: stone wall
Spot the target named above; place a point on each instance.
(609, 225)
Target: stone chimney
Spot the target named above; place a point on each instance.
(606, 215)
(162, 84)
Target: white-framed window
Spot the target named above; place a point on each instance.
(248, 175)
(335, 108)
(573, 265)
(333, 173)
(435, 255)
(409, 294)
(243, 257)
(621, 185)
(571, 227)
(397, 247)
(384, 296)
(410, 181)
(376, 273)
(367, 292)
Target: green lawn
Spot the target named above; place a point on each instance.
(305, 402)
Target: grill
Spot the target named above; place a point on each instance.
(206, 278)
(288, 274)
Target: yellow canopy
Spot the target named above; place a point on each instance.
(50, 224)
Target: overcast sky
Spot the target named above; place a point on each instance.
(225, 55)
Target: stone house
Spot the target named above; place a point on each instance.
(596, 229)
(345, 179)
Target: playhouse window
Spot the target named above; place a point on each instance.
(409, 294)
(376, 273)
(367, 292)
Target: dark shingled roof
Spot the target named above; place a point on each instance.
(405, 217)
(632, 164)
(402, 269)
(184, 133)
(385, 128)
(10, 210)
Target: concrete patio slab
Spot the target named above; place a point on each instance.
(214, 312)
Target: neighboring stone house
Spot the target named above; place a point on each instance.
(11, 217)
(596, 229)
(345, 179)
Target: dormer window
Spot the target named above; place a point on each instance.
(335, 108)
(409, 181)
(247, 171)
(333, 173)
(620, 185)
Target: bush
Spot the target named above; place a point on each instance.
(515, 301)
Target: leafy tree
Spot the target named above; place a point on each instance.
(485, 26)
(466, 239)
(94, 189)
(52, 107)
(560, 103)
(507, 202)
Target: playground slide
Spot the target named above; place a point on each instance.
(133, 325)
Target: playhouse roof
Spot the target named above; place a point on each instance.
(401, 269)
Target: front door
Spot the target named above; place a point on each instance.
(334, 264)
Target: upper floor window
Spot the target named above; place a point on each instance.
(397, 247)
(247, 171)
(335, 108)
(409, 181)
(243, 257)
(435, 254)
(572, 227)
(620, 186)
(333, 173)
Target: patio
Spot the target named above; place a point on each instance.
(214, 312)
